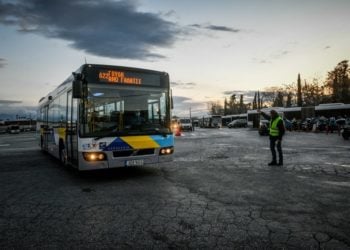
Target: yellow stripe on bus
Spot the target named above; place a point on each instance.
(140, 142)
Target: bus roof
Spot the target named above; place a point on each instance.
(85, 67)
(332, 106)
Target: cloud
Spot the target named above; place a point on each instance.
(181, 99)
(171, 13)
(222, 28)
(182, 106)
(248, 95)
(215, 27)
(106, 28)
(10, 109)
(181, 85)
(2, 62)
(7, 102)
(280, 54)
(272, 57)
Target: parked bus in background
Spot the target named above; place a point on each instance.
(3, 127)
(325, 111)
(13, 129)
(211, 121)
(22, 124)
(108, 116)
(333, 109)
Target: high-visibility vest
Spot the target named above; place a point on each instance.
(273, 126)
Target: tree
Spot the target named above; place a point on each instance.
(289, 99)
(225, 107)
(299, 95)
(232, 104)
(269, 95)
(255, 105)
(338, 82)
(242, 108)
(313, 93)
(291, 93)
(215, 108)
(278, 102)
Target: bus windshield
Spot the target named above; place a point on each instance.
(109, 110)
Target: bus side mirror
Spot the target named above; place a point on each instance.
(77, 86)
(171, 100)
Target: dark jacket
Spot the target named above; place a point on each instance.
(280, 125)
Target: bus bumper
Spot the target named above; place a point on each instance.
(119, 162)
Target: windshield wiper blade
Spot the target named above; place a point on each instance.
(157, 131)
(106, 135)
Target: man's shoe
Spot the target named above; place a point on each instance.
(280, 164)
(273, 163)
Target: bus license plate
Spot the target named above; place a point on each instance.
(133, 163)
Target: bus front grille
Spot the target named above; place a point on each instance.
(125, 153)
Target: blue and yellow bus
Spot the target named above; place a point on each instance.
(106, 116)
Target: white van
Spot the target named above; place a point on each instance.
(185, 124)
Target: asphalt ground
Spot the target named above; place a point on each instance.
(218, 193)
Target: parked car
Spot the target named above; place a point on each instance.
(322, 124)
(345, 130)
(239, 123)
(288, 124)
(264, 127)
(308, 124)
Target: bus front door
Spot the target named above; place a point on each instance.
(72, 132)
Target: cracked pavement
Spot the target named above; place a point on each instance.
(217, 193)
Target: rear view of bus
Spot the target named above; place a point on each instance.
(108, 116)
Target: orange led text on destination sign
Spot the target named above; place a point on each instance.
(118, 77)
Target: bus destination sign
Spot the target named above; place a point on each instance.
(114, 76)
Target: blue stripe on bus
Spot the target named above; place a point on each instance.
(167, 141)
(117, 144)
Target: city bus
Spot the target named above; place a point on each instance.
(211, 121)
(107, 116)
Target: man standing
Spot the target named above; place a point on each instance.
(276, 133)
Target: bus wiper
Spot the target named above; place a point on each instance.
(106, 135)
(158, 131)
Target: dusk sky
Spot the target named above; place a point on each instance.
(209, 48)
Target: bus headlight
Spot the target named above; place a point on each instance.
(94, 156)
(166, 151)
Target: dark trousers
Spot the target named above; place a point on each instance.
(273, 144)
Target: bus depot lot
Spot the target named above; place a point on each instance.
(217, 193)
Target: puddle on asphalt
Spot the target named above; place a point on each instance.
(303, 177)
(342, 184)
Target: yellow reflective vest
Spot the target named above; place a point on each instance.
(274, 131)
